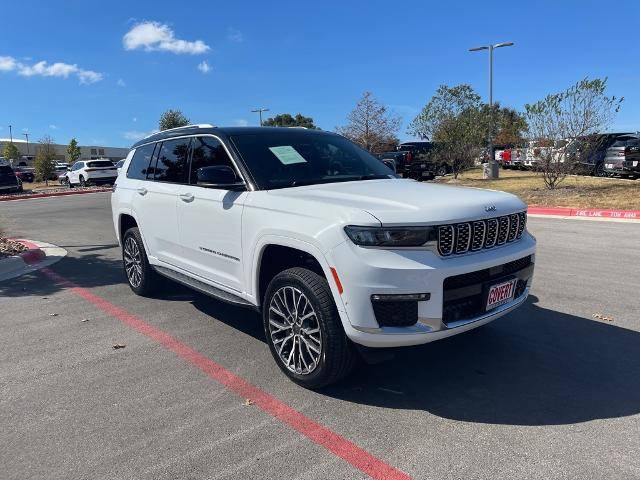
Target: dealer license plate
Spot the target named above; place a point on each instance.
(501, 293)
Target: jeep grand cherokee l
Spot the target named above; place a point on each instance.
(338, 254)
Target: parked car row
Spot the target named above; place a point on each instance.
(610, 154)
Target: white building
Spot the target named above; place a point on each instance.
(90, 152)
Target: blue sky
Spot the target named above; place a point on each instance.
(314, 58)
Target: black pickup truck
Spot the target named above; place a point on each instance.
(411, 160)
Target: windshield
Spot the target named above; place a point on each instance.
(280, 160)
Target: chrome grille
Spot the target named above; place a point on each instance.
(477, 237)
(463, 237)
(466, 237)
(503, 230)
(492, 233)
(513, 227)
(445, 240)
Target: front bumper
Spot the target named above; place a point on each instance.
(365, 272)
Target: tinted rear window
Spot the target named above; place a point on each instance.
(100, 164)
(140, 162)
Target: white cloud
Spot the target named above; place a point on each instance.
(234, 35)
(156, 36)
(7, 64)
(44, 69)
(121, 83)
(53, 127)
(204, 67)
(240, 122)
(135, 119)
(25, 130)
(137, 135)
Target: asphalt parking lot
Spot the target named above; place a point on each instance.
(549, 391)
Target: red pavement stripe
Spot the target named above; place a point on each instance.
(585, 212)
(315, 432)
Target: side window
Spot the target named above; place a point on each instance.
(140, 162)
(173, 158)
(77, 166)
(207, 152)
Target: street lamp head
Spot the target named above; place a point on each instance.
(503, 44)
(476, 49)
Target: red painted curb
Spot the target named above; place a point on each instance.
(52, 194)
(314, 431)
(585, 212)
(34, 255)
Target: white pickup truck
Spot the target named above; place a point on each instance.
(340, 256)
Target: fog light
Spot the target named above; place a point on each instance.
(401, 297)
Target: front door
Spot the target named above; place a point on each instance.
(211, 220)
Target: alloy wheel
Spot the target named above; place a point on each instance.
(132, 262)
(294, 330)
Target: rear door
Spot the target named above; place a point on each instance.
(155, 199)
(210, 220)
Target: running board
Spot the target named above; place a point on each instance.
(202, 287)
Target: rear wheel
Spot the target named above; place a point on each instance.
(304, 331)
(599, 170)
(142, 278)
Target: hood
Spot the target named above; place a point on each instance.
(406, 202)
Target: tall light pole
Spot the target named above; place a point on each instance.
(10, 134)
(494, 172)
(259, 111)
(27, 136)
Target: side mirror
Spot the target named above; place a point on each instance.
(68, 169)
(218, 176)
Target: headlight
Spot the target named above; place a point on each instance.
(392, 236)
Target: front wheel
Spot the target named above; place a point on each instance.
(142, 278)
(303, 329)
(83, 182)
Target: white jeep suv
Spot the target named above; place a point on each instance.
(339, 255)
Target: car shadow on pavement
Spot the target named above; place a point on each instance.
(89, 270)
(533, 367)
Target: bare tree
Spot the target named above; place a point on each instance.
(371, 125)
(562, 119)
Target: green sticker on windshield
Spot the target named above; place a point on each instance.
(287, 155)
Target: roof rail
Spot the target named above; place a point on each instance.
(185, 127)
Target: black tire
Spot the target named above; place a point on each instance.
(83, 182)
(149, 280)
(442, 171)
(598, 171)
(337, 356)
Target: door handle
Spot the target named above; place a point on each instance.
(142, 191)
(187, 197)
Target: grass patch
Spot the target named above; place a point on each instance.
(575, 191)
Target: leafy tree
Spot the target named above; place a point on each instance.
(286, 120)
(560, 120)
(73, 151)
(45, 159)
(456, 121)
(371, 125)
(10, 151)
(172, 119)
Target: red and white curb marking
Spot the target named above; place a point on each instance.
(585, 213)
(29, 196)
(315, 432)
(38, 256)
